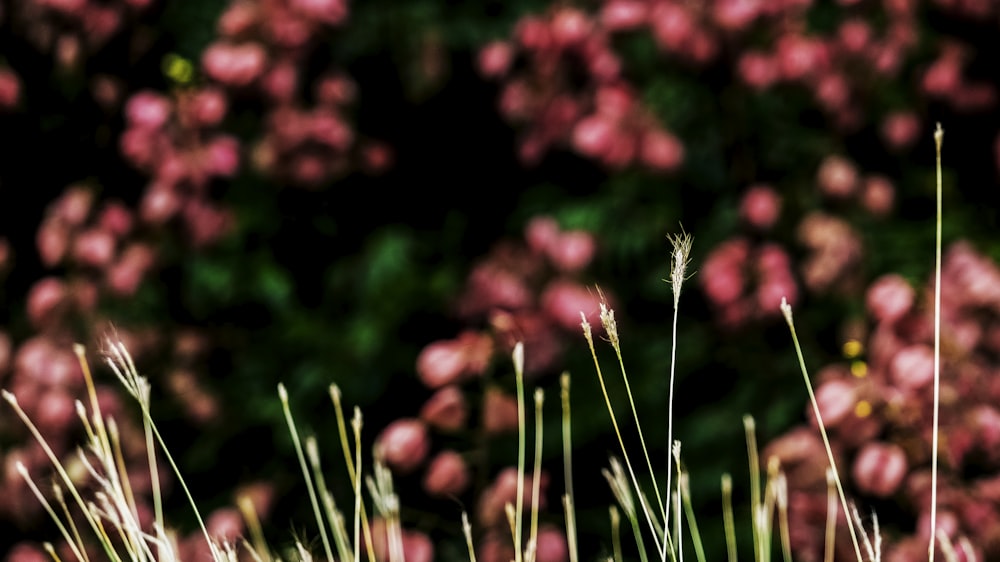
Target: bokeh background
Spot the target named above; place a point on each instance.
(388, 195)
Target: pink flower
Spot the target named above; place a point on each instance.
(499, 411)
(563, 301)
(447, 475)
(943, 77)
(125, 275)
(551, 545)
(281, 81)
(225, 523)
(622, 15)
(55, 411)
(900, 129)
(837, 177)
(148, 110)
(722, 276)
(760, 206)
(417, 547)
(533, 33)
(27, 552)
(222, 156)
(94, 247)
(502, 491)
(234, 64)
(447, 361)
(593, 135)
(913, 367)
(572, 250)
(52, 241)
(207, 107)
(735, 15)
(757, 70)
(541, 233)
(800, 56)
(403, 444)
(46, 300)
(10, 89)
(239, 18)
(446, 410)
(854, 35)
(116, 218)
(330, 12)
(836, 399)
(495, 59)
(889, 298)
(878, 195)
(74, 205)
(569, 26)
(660, 150)
(879, 469)
(832, 91)
(671, 24)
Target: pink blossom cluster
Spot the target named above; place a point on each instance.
(878, 409)
(72, 30)
(261, 53)
(838, 69)
(176, 141)
(100, 250)
(745, 276)
(563, 82)
(528, 293)
(839, 180)
(745, 280)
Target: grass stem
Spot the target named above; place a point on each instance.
(938, 141)
(786, 310)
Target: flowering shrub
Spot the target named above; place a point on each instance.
(250, 191)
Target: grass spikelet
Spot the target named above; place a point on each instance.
(607, 319)
(310, 487)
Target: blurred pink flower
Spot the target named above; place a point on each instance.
(447, 475)
(660, 150)
(622, 15)
(403, 444)
(234, 64)
(913, 367)
(760, 206)
(446, 410)
(879, 469)
(148, 110)
(889, 298)
(563, 301)
(837, 177)
(447, 361)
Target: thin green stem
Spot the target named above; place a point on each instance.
(313, 499)
(728, 519)
(699, 548)
(787, 311)
(938, 141)
(518, 357)
(614, 423)
(536, 475)
(467, 531)
(71, 540)
(569, 504)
